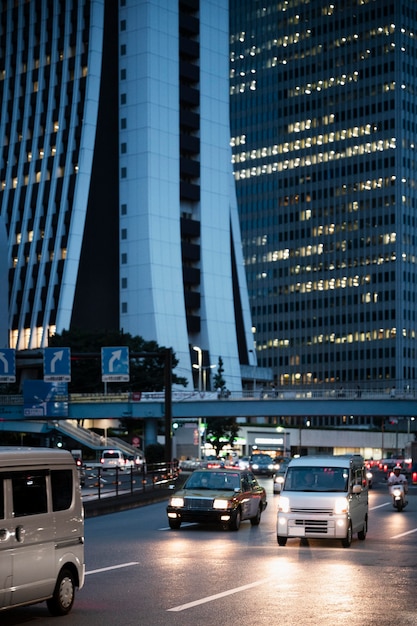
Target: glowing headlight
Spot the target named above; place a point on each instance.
(279, 479)
(220, 504)
(284, 504)
(176, 501)
(255, 466)
(340, 506)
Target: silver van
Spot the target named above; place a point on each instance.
(324, 497)
(41, 528)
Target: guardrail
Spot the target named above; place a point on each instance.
(258, 394)
(98, 483)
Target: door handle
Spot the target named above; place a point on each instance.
(20, 534)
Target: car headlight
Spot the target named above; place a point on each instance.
(255, 466)
(220, 503)
(369, 475)
(177, 501)
(284, 504)
(279, 479)
(340, 506)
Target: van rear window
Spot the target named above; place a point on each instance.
(61, 482)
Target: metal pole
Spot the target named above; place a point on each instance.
(168, 405)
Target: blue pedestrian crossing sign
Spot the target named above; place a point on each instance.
(57, 364)
(7, 365)
(115, 364)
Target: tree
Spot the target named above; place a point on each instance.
(218, 380)
(145, 373)
(221, 431)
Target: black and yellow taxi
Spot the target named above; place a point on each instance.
(221, 496)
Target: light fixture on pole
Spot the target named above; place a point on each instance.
(200, 367)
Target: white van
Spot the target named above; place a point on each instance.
(112, 459)
(324, 497)
(41, 528)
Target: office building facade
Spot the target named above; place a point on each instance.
(116, 187)
(324, 137)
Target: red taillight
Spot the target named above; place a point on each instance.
(414, 478)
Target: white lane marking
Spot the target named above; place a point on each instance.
(108, 569)
(372, 508)
(182, 607)
(408, 532)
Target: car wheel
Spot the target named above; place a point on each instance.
(348, 539)
(64, 593)
(282, 541)
(362, 533)
(255, 521)
(174, 523)
(234, 523)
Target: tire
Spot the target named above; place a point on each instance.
(282, 541)
(234, 523)
(174, 524)
(64, 594)
(348, 539)
(255, 521)
(362, 533)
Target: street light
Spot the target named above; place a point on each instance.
(200, 366)
(204, 368)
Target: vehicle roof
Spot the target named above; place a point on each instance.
(338, 460)
(21, 457)
(223, 470)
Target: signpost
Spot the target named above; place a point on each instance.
(57, 365)
(7, 365)
(115, 364)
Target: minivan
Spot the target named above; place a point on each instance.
(112, 459)
(41, 528)
(324, 497)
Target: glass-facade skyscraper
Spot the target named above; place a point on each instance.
(116, 185)
(324, 140)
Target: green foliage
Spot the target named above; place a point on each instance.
(221, 431)
(146, 373)
(218, 380)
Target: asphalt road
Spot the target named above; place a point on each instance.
(141, 573)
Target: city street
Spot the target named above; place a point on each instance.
(141, 572)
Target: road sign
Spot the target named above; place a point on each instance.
(115, 364)
(57, 365)
(45, 399)
(7, 365)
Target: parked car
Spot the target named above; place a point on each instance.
(221, 496)
(263, 464)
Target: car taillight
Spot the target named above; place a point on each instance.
(414, 477)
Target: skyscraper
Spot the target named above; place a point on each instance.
(324, 135)
(116, 184)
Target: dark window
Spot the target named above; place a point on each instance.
(61, 483)
(29, 493)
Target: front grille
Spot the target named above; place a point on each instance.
(312, 511)
(198, 503)
(313, 526)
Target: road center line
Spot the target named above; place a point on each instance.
(223, 594)
(108, 569)
(372, 508)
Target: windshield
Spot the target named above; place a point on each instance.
(225, 481)
(316, 479)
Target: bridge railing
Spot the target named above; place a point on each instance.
(245, 394)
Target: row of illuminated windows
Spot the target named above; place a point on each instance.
(31, 337)
(316, 159)
(317, 249)
(379, 334)
(38, 177)
(41, 257)
(308, 142)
